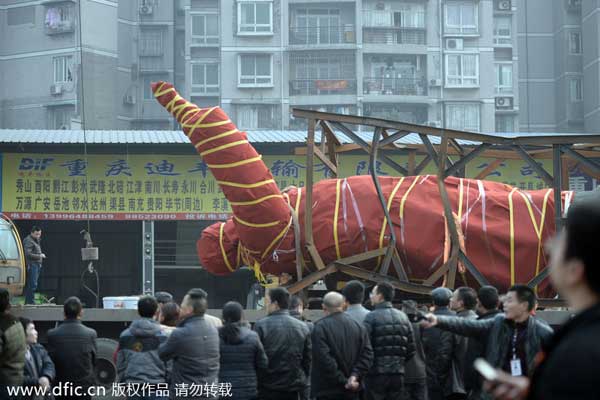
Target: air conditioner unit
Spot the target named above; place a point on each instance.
(504, 5)
(504, 103)
(435, 82)
(145, 9)
(454, 44)
(435, 124)
(129, 99)
(56, 89)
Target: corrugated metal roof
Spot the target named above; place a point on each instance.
(41, 136)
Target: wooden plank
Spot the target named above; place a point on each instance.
(363, 256)
(376, 278)
(423, 164)
(433, 278)
(311, 278)
(316, 257)
(411, 162)
(310, 167)
(326, 161)
(490, 168)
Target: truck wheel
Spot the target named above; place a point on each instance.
(106, 369)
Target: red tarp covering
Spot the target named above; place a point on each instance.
(504, 228)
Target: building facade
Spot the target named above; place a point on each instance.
(451, 63)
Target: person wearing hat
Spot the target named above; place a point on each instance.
(439, 348)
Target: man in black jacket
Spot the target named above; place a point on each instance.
(439, 348)
(34, 258)
(463, 303)
(193, 346)
(72, 347)
(391, 337)
(342, 353)
(512, 340)
(415, 374)
(286, 341)
(487, 307)
(569, 366)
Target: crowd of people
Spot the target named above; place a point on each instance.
(413, 353)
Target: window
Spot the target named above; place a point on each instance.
(57, 16)
(60, 117)
(257, 117)
(205, 79)
(205, 29)
(255, 17)
(317, 26)
(461, 18)
(151, 42)
(504, 83)
(462, 70)
(463, 116)
(505, 123)
(575, 42)
(255, 70)
(63, 69)
(20, 15)
(575, 89)
(503, 30)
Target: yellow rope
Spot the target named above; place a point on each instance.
(235, 164)
(253, 202)
(246, 185)
(223, 252)
(253, 225)
(223, 147)
(209, 125)
(335, 219)
(219, 136)
(277, 238)
(383, 226)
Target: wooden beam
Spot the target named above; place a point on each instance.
(377, 278)
(490, 168)
(412, 162)
(423, 164)
(311, 278)
(326, 161)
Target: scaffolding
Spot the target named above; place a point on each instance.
(581, 149)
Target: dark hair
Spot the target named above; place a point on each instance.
(35, 228)
(25, 323)
(583, 231)
(488, 297)
(295, 302)
(441, 296)
(72, 307)
(4, 300)
(468, 296)
(170, 314)
(524, 294)
(386, 290)
(354, 292)
(281, 296)
(147, 306)
(232, 318)
(197, 300)
(410, 306)
(163, 297)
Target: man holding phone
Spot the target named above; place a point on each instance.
(511, 340)
(569, 364)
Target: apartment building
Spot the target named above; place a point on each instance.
(51, 51)
(449, 63)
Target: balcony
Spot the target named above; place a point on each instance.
(205, 40)
(306, 87)
(395, 86)
(323, 36)
(150, 65)
(58, 27)
(403, 36)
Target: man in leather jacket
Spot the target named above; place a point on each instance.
(287, 343)
(392, 340)
(512, 339)
(439, 348)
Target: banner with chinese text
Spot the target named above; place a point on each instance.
(167, 187)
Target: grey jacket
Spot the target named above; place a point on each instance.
(357, 312)
(137, 359)
(194, 348)
(33, 250)
(496, 333)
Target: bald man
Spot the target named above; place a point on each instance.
(342, 353)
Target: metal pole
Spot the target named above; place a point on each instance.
(556, 159)
(148, 257)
